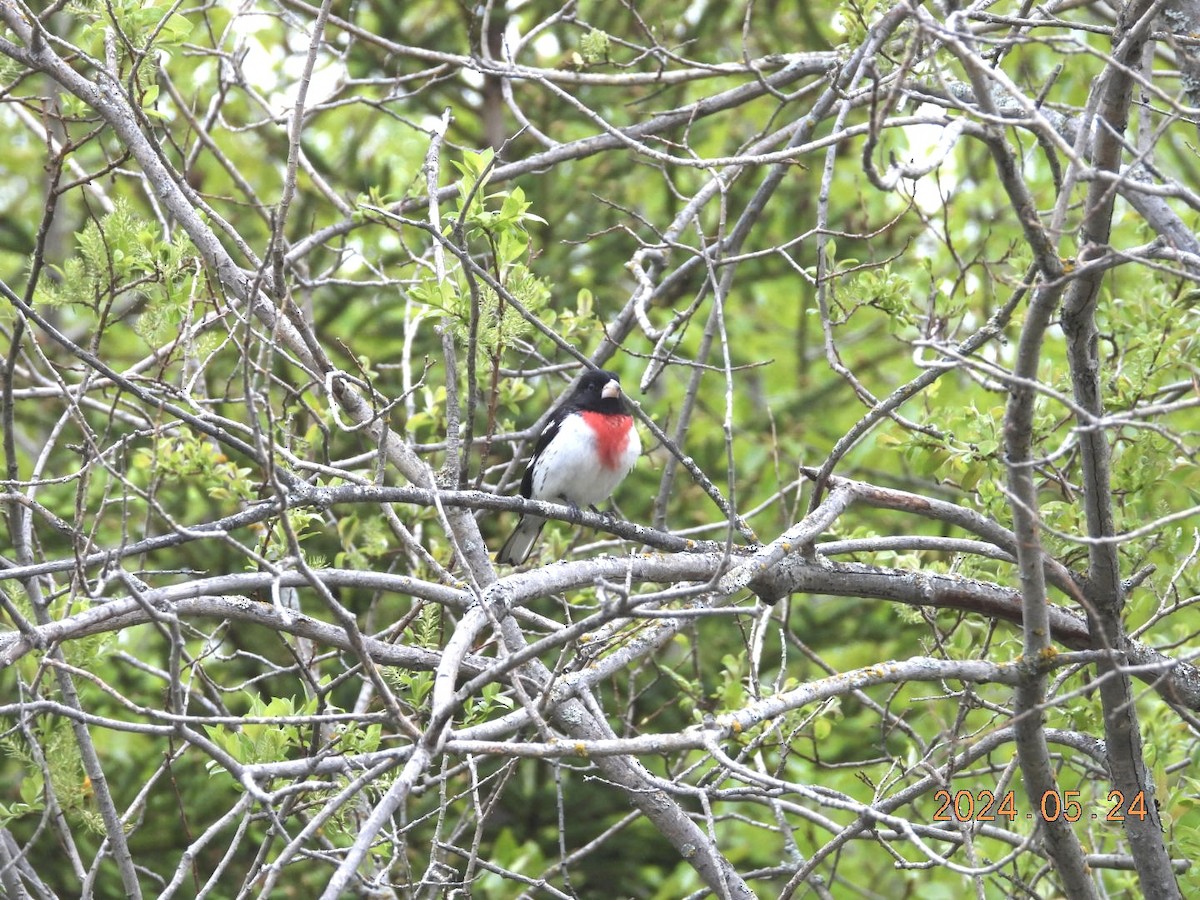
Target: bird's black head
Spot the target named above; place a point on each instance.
(598, 391)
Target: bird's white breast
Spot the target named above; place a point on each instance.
(569, 470)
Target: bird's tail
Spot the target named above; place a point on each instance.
(516, 549)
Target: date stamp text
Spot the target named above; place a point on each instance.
(985, 806)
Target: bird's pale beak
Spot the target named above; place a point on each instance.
(611, 390)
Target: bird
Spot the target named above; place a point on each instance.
(587, 448)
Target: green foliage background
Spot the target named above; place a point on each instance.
(905, 275)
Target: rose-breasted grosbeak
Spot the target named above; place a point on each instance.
(587, 447)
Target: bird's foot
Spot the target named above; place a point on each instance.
(606, 514)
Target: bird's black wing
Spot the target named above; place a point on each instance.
(543, 441)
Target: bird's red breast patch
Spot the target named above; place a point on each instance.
(612, 436)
